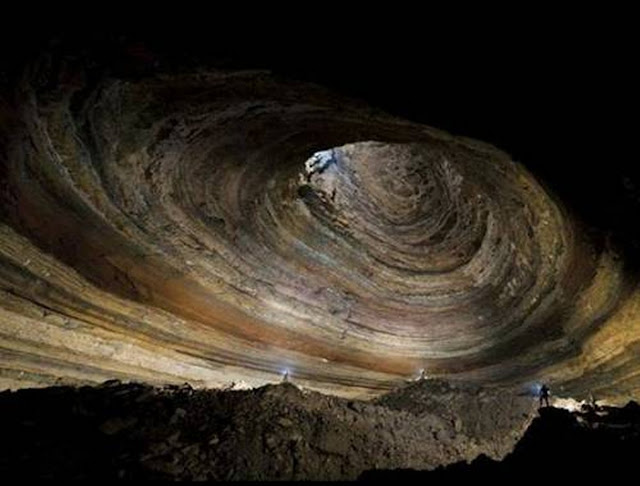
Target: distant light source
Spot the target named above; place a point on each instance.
(285, 376)
(319, 162)
(534, 389)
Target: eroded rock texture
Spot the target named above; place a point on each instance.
(276, 432)
(585, 444)
(223, 226)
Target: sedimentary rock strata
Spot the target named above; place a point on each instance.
(220, 226)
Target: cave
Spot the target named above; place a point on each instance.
(228, 261)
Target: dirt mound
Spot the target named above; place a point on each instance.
(481, 414)
(135, 431)
(595, 442)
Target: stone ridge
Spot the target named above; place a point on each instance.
(591, 443)
(276, 432)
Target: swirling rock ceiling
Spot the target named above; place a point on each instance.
(178, 227)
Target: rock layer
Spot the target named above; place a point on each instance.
(226, 226)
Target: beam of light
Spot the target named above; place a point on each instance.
(533, 389)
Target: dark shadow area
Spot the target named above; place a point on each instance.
(275, 432)
(280, 432)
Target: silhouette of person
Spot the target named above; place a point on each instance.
(544, 395)
(285, 377)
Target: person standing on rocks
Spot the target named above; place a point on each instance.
(544, 395)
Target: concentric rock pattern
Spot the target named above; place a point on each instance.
(225, 226)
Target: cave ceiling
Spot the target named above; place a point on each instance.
(174, 220)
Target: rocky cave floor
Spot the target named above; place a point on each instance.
(280, 432)
(586, 445)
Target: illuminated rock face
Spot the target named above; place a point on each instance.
(227, 226)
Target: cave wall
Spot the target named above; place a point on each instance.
(163, 226)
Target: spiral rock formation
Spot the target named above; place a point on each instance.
(228, 226)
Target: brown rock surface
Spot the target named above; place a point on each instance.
(172, 226)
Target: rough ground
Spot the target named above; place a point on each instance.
(596, 442)
(133, 431)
